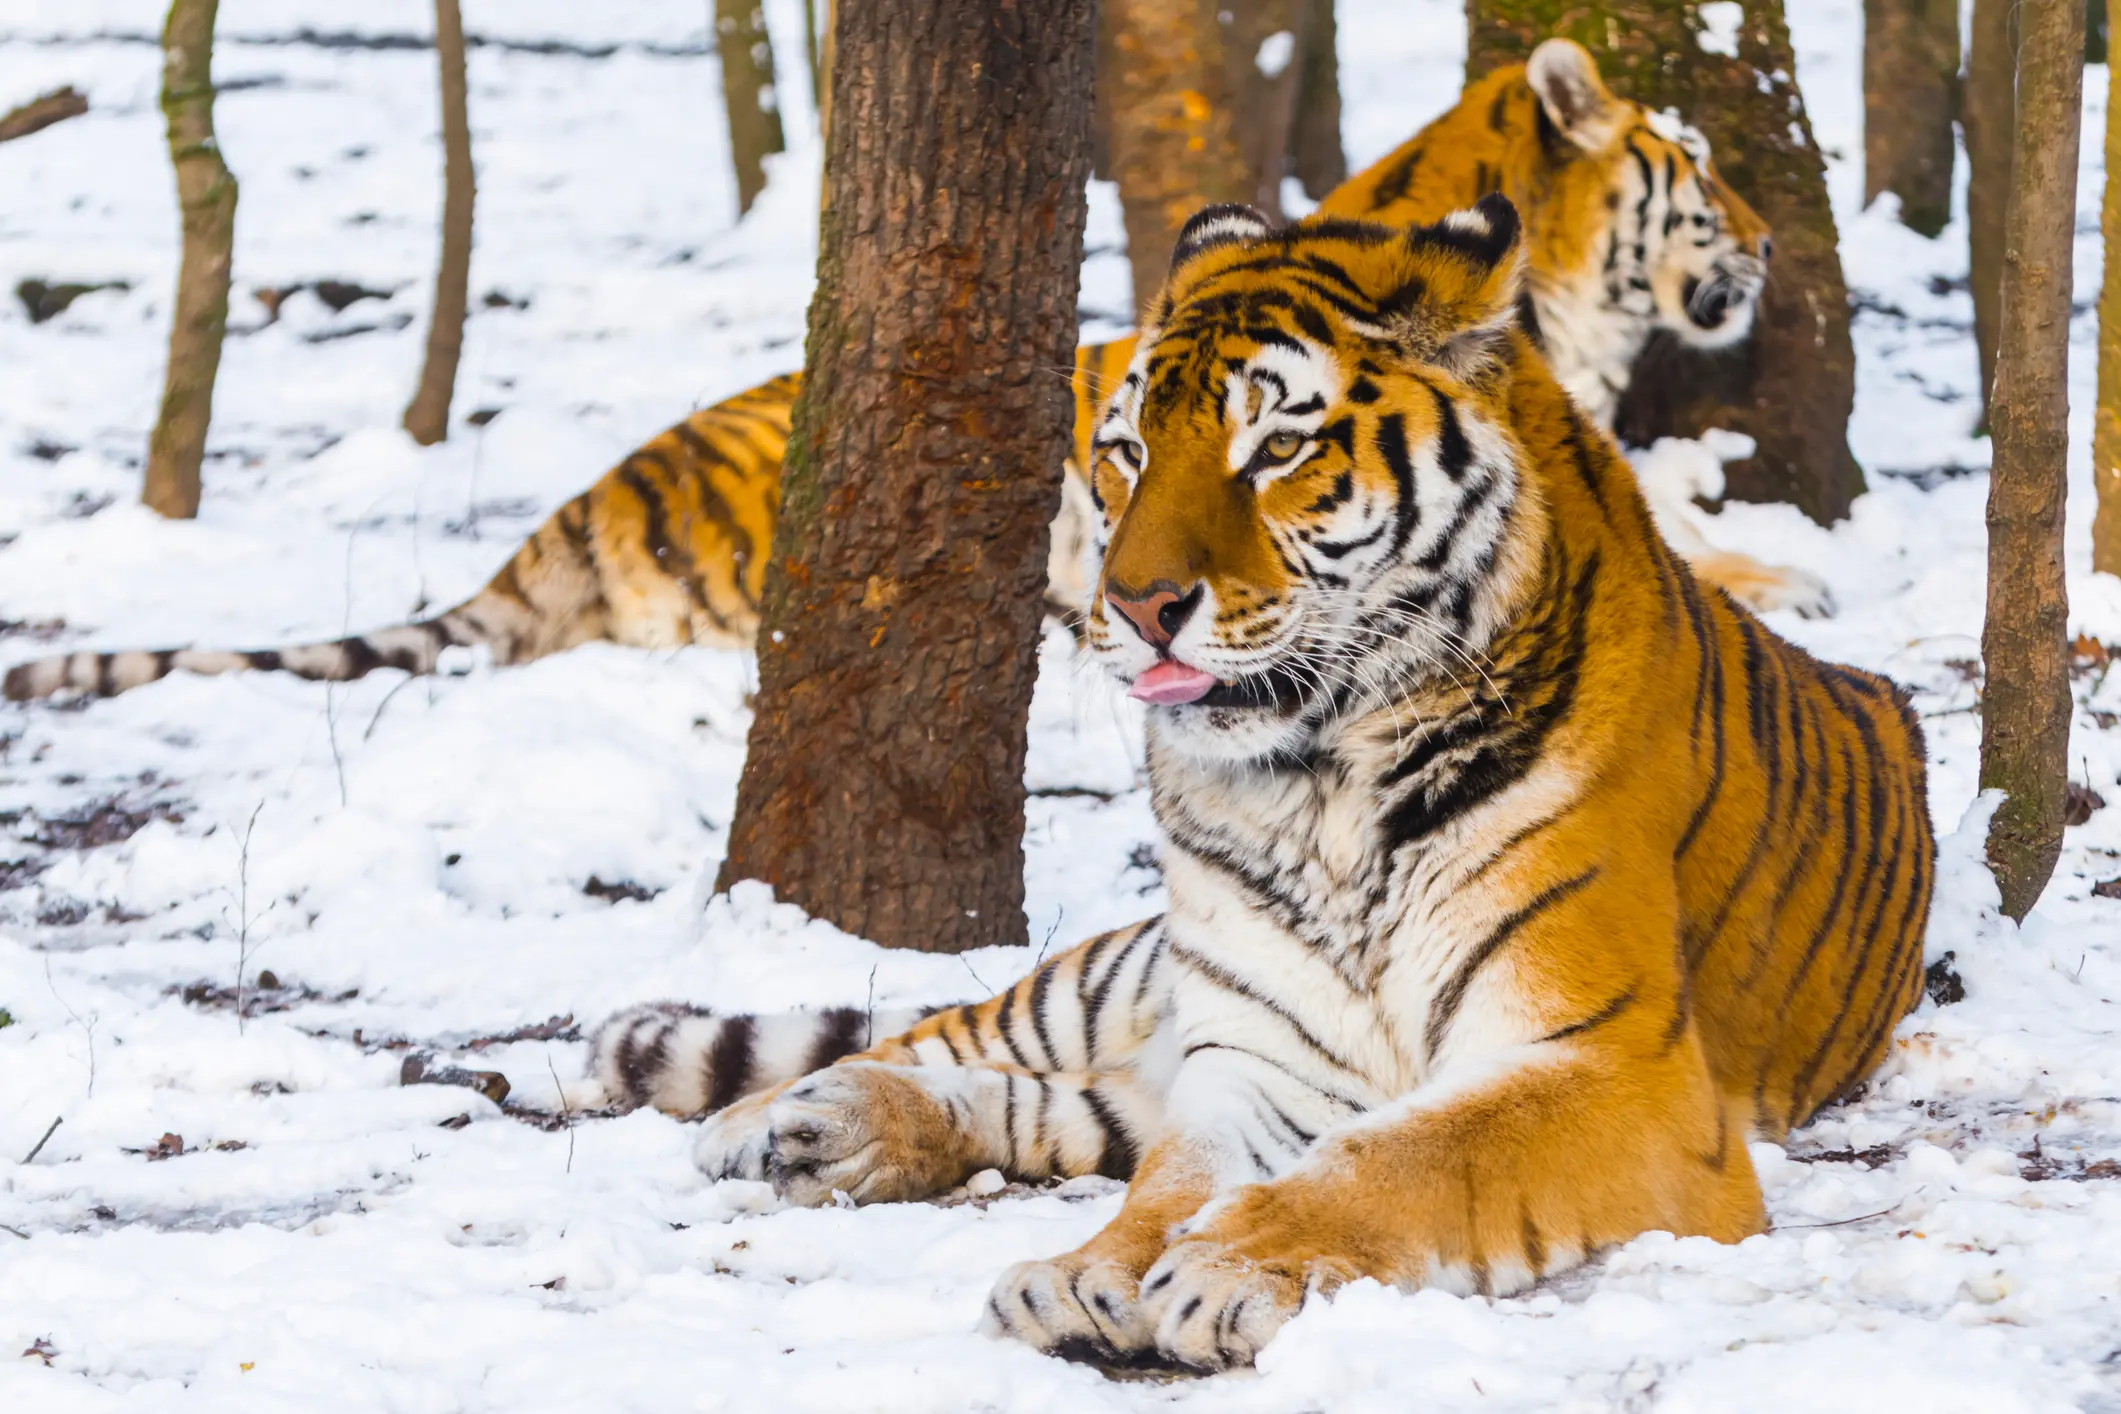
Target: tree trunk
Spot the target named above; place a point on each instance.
(1792, 386)
(813, 52)
(2106, 422)
(884, 785)
(1315, 155)
(1262, 45)
(427, 415)
(1910, 90)
(747, 93)
(1175, 146)
(206, 199)
(1987, 105)
(2025, 705)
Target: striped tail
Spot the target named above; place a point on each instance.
(689, 1061)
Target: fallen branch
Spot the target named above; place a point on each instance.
(32, 1154)
(41, 112)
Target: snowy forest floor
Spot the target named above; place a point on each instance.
(250, 1216)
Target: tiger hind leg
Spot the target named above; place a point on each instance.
(894, 1133)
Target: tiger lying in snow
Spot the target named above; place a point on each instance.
(1466, 973)
(1627, 230)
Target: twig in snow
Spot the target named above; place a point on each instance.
(379, 710)
(1839, 1222)
(88, 1027)
(1058, 915)
(869, 1027)
(985, 991)
(243, 918)
(31, 1156)
(566, 1115)
(15, 1230)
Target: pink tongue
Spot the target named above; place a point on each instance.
(1170, 683)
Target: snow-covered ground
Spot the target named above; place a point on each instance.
(410, 860)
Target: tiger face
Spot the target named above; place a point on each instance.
(1643, 219)
(1305, 475)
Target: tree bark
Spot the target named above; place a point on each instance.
(1315, 155)
(1791, 386)
(427, 415)
(1988, 102)
(1263, 46)
(2025, 705)
(748, 94)
(2106, 422)
(1175, 146)
(206, 201)
(884, 785)
(1910, 91)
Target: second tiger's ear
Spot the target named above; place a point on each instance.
(1565, 78)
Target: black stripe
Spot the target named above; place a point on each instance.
(1453, 452)
(1230, 982)
(1002, 1017)
(730, 1061)
(1596, 1019)
(842, 1031)
(1452, 995)
(1041, 983)
(1118, 1156)
(1391, 439)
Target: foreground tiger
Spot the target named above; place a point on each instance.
(1628, 230)
(1516, 878)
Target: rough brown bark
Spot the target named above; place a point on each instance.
(1315, 155)
(1792, 386)
(427, 415)
(883, 788)
(1910, 92)
(206, 201)
(2025, 706)
(1175, 147)
(1263, 46)
(41, 112)
(1987, 103)
(2106, 422)
(748, 94)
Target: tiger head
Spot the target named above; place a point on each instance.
(1624, 208)
(1307, 477)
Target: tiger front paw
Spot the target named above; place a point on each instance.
(1077, 1306)
(1214, 1307)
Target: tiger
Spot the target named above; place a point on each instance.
(1628, 228)
(1516, 877)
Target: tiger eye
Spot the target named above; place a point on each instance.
(1284, 445)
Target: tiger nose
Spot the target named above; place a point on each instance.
(1158, 613)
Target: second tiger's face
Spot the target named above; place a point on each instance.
(1301, 480)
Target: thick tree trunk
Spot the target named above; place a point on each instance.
(1910, 92)
(1263, 44)
(748, 93)
(206, 199)
(427, 415)
(2025, 706)
(1987, 104)
(2106, 423)
(1175, 145)
(1315, 155)
(1792, 385)
(884, 785)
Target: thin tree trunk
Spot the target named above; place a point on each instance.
(206, 199)
(747, 93)
(2106, 423)
(1315, 155)
(1910, 91)
(1987, 105)
(427, 415)
(2025, 705)
(884, 785)
(1263, 44)
(1792, 386)
(1175, 146)
(810, 49)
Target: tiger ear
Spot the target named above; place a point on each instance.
(1227, 224)
(1565, 78)
(1457, 299)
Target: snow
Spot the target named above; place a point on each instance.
(417, 852)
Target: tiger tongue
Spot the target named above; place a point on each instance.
(1170, 683)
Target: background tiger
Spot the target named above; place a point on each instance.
(1627, 230)
(1516, 878)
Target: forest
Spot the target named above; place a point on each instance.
(966, 705)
